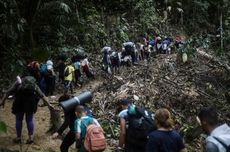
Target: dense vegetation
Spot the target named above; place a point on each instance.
(47, 25)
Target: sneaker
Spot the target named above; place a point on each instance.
(29, 141)
(17, 140)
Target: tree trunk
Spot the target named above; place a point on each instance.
(221, 31)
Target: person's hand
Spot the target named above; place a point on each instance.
(55, 135)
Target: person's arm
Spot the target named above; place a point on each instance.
(77, 129)
(44, 98)
(211, 147)
(122, 133)
(8, 92)
(96, 122)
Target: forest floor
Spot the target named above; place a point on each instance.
(164, 82)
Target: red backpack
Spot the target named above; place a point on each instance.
(94, 139)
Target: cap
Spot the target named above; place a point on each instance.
(49, 62)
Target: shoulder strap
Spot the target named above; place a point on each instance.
(222, 143)
(84, 123)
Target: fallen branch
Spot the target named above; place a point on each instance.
(212, 58)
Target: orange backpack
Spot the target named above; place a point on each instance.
(94, 139)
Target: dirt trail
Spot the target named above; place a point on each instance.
(43, 142)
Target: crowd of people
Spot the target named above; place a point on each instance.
(132, 53)
(140, 129)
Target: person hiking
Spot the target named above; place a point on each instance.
(33, 69)
(115, 61)
(49, 78)
(218, 139)
(106, 58)
(135, 124)
(69, 118)
(61, 69)
(158, 42)
(164, 139)
(87, 68)
(129, 50)
(26, 94)
(80, 125)
(165, 45)
(68, 76)
(77, 72)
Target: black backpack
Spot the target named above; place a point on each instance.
(139, 126)
(66, 74)
(223, 144)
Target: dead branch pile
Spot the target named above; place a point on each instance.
(182, 88)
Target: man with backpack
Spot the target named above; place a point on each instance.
(50, 78)
(89, 133)
(68, 76)
(219, 135)
(69, 118)
(115, 61)
(135, 125)
(129, 50)
(106, 59)
(27, 95)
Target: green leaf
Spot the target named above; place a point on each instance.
(3, 127)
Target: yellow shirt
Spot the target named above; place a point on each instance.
(71, 73)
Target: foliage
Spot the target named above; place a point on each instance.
(3, 127)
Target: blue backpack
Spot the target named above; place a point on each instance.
(43, 68)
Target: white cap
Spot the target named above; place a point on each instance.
(49, 62)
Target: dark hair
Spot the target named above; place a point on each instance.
(80, 109)
(163, 118)
(209, 115)
(125, 102)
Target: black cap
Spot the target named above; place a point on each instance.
(125, 102)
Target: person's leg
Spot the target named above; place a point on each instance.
(19, 118)
(67, 141)
(30, 127)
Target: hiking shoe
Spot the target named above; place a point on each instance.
(17, 140)
(29, 141)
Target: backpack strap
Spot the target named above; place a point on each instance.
(84, 123)
(222, 143)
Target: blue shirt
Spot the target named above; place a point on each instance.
(164, 141)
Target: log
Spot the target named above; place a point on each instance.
(213, 59)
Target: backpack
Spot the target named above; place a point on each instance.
(140, 125)
(43, 68)
(66, 73)
(28, 83)
(223, 144)
(26, 97)
(94, 139)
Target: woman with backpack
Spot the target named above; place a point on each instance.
(164, 139)
(27, 95)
